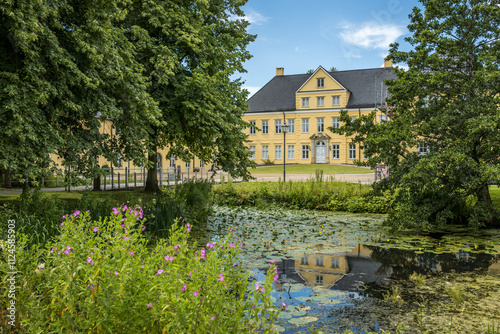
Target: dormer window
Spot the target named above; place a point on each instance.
(321, 82)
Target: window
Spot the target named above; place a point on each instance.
(291, 126)
(305, 125)
(252, 150)
(172, 160)
(335, 262)
(423, 148)
(277, 126)
(265, 127)
(265, 152)
(188, 165)
(304, 261)
(305, 102)
(336, 151)
(319, 279)
(336, 100)
(202, 164)
(291, 152)
(277, 152)
(158, 160)
(335, 122)
(319, 261)
(321, 101)
(353, 118)
(321, 82)
(305, 151)
(383, 118)
(252, 127)
(352, 151)
(321, 124)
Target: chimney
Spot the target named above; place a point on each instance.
(280, 71)
(387, 62)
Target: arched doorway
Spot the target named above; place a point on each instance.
(320, 152)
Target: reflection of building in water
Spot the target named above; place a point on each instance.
(344, 271)
(494, 269)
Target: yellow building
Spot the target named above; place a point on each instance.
(310, 104)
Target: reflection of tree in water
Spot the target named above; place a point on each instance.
(405, 262)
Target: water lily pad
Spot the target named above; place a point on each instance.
(302, 320)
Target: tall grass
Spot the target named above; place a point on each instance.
(38, 216)
(315, 193)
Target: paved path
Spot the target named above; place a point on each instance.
(367, 178)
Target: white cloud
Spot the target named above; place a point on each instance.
(371, 35)
(252, 90)
(252, 16)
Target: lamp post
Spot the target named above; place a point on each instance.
(284, 129)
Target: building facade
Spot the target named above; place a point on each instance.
(310, 104)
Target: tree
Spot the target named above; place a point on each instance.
(190, 50)
(64, 65)
(333, 69)
(446, 103)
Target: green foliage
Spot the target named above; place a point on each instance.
(447, 101)
(393, 296)
(101, 276)
(268, 162)
(456, 294)
(316, 193)
(418, 279)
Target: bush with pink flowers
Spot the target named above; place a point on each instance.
(101, 276)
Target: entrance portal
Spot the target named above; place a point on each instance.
(320, 152)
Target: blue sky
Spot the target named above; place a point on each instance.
(303, 34)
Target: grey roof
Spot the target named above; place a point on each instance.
(279, 93)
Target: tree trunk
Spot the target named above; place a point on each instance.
(97, 183)
(152, 179)
(484, 198)
(7, 179)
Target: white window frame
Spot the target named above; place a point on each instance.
(382, 119)
(265, 152)
(188, 164)
(336, 100)
(277, 152)
(335, 151)
(304, 260)
(335, 262)
(305, 151)
(320, 101)
(291, 152)
(305, 102)
(119, 161)
(252, 149)
(320, 122)
(352, 151)
(305, 125)
(158, 161)
(265, 127)
(335, 122)
(202, 164)
(252, 127)
(319, 279)
(277, 126)
(320, 82)
(291, 126)
(353, 118)
(172, 160)
(422, 148)
(319, 261)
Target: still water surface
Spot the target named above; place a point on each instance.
(334, 269)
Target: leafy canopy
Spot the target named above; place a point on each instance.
(446, 103)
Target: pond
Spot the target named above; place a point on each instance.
(338, 272)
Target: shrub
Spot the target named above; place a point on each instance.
(100, 276)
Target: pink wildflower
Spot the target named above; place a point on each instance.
(143, 227)
(184, 287)
(212, 318)
(257, 287)
(159, 272)
(131, 252)
(221, 278)
(115, 211)
(116, 273)
(195, 293)
(142, 266)
(95, 229)
(149, 305)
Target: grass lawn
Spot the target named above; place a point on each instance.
(74, 196)
(495, 196)
(311, 169)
